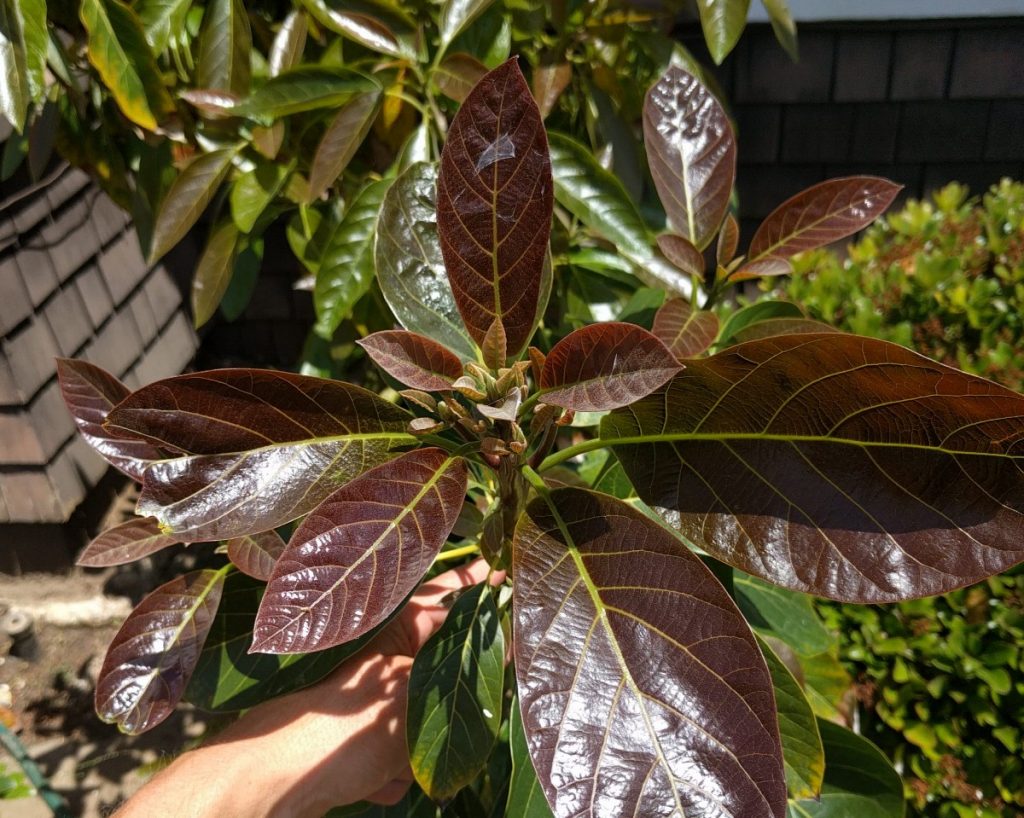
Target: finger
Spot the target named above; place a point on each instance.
(390, 794)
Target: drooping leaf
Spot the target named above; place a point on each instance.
(685, 331)
(754, 313)
(415, 360)
(225, 48)
(190, 193)
(596, 197)
(783, 614)
(692, 153)
(37, 41)
(494, 201)
(162, 19)
(22, 58)
(802, 753)
(457, 74)
(409, 265)
(603, 366)
(779, 326)
(841, 466)
(243, 278)
(289, 43)
(456, 15)
(344, 134)
(723, 22)
(635, 666)
(152, 656)
(360, 553)
(859, 780)
(253, 192)
(455, 696)
(288, 440)
(822, 214)
(525, 795)
(305, 88)
(213, 272)
(783, 25)
(90, 393)
(119, 52)
(256, 554)
(127, 542)
(365, 29)
(346, 269)
(683, 253)
(549, 81)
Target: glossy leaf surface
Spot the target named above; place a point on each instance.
(736, 323)
(494, 201)
(415, 360)
(261, 448)
(360, 553)
(90, 393)
(456, 15)
(723, 22)
(289, 43)
(840, 466)
(409, 264)
(345, 133)
(14, 91)
(455, 696)
(692, 154)
(525, 794)
(363, 28)
(213, 273)
(305, 88)
(127, 542)
(152, 656)
(604, 366)
(225, 46)
(682, 253)
(822, 214)
(685, 331)
(643, 691)
(256, 554)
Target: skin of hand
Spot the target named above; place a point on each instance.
(339, 741)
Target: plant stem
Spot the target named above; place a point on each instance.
(570, 452)
(536, 481)
(58, 806)
(457, 553)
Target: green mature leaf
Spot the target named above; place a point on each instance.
(634, 665)
(826, 684)
(162, 20)
(754, 313)
(225, 47)
(288, 440)
(802, 753)
(310, 230)
(456, 15)
(723, 22)
(365, 29)
(32, 18)
(346, 268)
(410, 269)
(345, 133)
(119, 52)
(786, 615)
(155, 652)
(304, 89)
(289, 43)
(253, 192)
(835, 465)
(455, 696)
(414, 804)
(783, 26)
(525, 795)
(193, 189)
(132, 540)
(859, 780)
(213, 273)
(248, 262)
(489, 39)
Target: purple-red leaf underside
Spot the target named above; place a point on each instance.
(256, 554)
(682, 253)
(413, 359)
(153, 655)
(360, 553)
(840, 466)
(643, 691)
(605, 366)
(125, 543)
(90, 393)
(685, 331)
(494, 202)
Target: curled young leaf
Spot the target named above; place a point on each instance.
(692, 153)
(604, 366)
(634, 665)
(360, 553)
(840, 466)
(125, 543)
(415, 360)
(90, 393)
(685, 331)
(256, 554)
(494, 202)
(153, 655)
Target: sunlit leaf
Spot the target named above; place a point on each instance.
(162, 20)
(225, 46)
(90, 393)
(410, 269)
(152, 656)
(692, 154)
(685, 331)
(826, 685)
(840, 466)
(360, 553)
(456, 15)
(525, 795)
(635, 666)
(288, 440)
(119, 52)
(305, 88)
(256, 554)
(549, 81)
(457, 74)
(289, 43)
(346, 270)
(213, 272)
(191, 192)
(779, 326)
(736, 323)
(494, 200)
(23, 44)
(253, 192)
(345, 133)
(723, 22)
(455, 696)
(127, 542)
(415, 360)
(604, 366)
(363, 28)
(783, 614)
(822, 214)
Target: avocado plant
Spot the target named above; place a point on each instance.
(627, 481)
